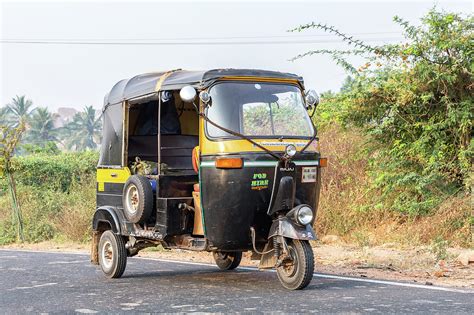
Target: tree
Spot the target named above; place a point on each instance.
(415, 101)
(83, 132)
(348, 83)
(9, 139)
(4, 116)
(20, 109)
(41, 129)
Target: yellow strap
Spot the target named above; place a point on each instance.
(162, 79)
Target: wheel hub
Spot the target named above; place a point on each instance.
(107, 254)
(289, 264)
(132, 198)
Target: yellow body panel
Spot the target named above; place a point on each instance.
(111, 175)
(259, 79)
(209, 147)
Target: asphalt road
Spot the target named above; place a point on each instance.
(43, 282)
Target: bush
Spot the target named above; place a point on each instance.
(53, 172)
(56, 195)
(414, 103)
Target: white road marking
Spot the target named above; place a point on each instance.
(33, 286)
(181, 306)
(67, 262)
(85, 311)
(318, 275)
(326, 276)
(130, 304)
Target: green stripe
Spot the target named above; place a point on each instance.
(263, 163)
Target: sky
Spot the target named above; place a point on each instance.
(191, 35)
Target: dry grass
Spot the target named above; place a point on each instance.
(74, 220)
(346, 194)
(344, 182)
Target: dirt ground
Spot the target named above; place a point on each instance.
(416, 264)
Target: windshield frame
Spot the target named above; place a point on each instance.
(232, 137)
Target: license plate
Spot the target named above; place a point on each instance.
(308, 175)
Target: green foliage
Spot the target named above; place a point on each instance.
(56, 172)
(49, 147)
(414, 100)
(83, 132)
(57, 196)
(41, 129)
(8, 232)
(282, 118)
(4, 116)
(20, 109)
(439, 247)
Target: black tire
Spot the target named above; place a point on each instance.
(137, 199)
(297, 274)
(112, 254)
(227, 260)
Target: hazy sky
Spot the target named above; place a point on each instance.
(78, 75)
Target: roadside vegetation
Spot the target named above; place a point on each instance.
(398, 136)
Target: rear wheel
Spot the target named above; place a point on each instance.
(227, 260)
(112, 254)
(296, 271)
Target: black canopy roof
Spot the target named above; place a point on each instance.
(150, 83)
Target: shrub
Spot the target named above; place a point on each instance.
(414, 103)
(56, 195)
(53, 172)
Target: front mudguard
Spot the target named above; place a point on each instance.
(284, 228)
(287, 228)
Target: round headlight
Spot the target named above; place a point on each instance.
(290, 150)
(304, 215)
(205, 97)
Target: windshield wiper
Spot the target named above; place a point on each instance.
(237, 134)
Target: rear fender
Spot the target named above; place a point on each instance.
(106, 215)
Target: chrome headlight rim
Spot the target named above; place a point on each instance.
(304, 215)
(290, 150)
(295, 215)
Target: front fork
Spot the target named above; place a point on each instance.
(281, 252)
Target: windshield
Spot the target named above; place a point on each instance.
(266, 110)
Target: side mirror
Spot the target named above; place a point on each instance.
(312, 98)
(187, 94)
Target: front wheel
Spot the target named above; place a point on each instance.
(112, 254)
(227, 260)
(296, 271)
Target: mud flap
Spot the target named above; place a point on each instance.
(95, 247)
(268, 260)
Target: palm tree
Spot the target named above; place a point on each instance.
(4, 116)
(83, 131)
(42, 128)
(20, 109)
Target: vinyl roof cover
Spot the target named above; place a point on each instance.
(146, 84)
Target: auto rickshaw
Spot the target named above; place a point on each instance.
(224, 161)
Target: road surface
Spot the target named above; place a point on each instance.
(67, 283)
